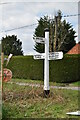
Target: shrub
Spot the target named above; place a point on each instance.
(65, 70)
(26, 67)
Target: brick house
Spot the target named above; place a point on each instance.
(75, 49)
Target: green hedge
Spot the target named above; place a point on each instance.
(65, 70)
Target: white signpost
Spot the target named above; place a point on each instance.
(39, 40)
(39, 56)
(55, 55)
(47, 56)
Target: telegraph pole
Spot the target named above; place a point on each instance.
(51, 37)
(55, 35)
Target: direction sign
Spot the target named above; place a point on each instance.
(55, 55)
(39, 40)
(39, 56)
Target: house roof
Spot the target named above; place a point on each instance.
(75, 49)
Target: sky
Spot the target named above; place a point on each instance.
(22, 13)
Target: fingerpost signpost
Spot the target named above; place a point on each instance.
(46, 56)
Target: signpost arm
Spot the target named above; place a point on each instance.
(46, 64)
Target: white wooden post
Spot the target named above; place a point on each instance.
(46, 56)
(46, 64)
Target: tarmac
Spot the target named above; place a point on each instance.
(39, 85)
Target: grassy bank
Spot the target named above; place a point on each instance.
(29, 101)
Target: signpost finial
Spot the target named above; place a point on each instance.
(46, 29)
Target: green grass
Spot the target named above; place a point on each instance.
(27, 102)
(27, 81)
(75, 84)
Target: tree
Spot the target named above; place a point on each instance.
(10, 44)
(39, 32)
(62, 35)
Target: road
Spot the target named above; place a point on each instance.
(39, 85)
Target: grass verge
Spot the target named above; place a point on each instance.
(29, 102)
(73, 84)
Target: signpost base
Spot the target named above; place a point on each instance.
(46, 93)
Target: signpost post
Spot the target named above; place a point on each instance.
(46, 56)
(46, 64)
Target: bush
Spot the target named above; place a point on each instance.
(26, 67)
(65, 70)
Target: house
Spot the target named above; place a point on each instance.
(75, 49)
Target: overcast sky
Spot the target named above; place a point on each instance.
(17, 14)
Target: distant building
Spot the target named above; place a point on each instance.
(75, 49)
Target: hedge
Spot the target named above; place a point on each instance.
(65, 70)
